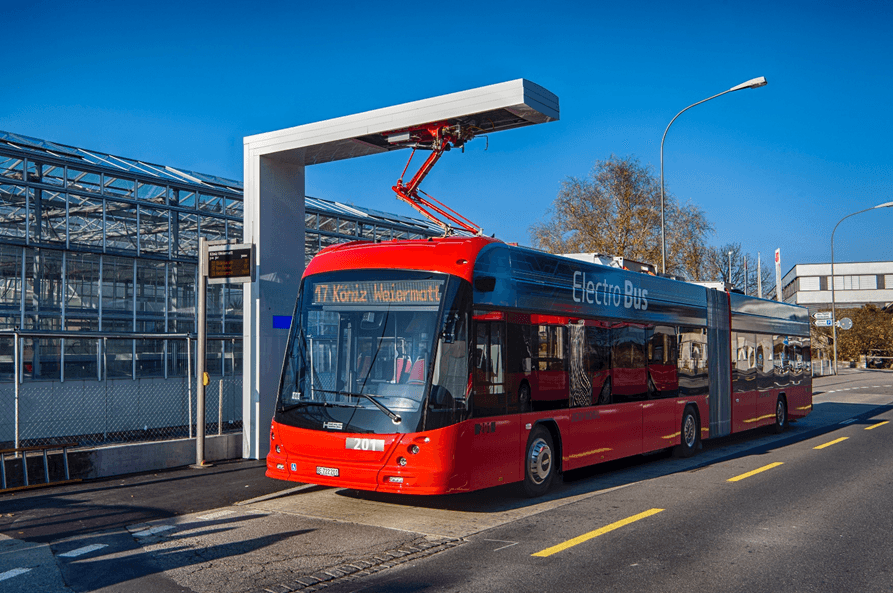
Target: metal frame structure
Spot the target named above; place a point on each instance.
(275, 164)
(102, 243)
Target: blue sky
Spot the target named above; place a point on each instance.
(182, 83)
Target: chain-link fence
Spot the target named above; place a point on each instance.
(97, 389)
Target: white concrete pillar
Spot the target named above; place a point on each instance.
(274, 202)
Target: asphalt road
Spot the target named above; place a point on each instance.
(808, 520)
(804, 512)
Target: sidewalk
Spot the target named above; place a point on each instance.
(46, 514)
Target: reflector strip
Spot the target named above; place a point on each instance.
(593, 534)
(755, 472)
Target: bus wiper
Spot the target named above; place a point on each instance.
(393, 416)
(310, 402)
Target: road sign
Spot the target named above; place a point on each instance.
(845, 323)
(823, 323)
(822, 315)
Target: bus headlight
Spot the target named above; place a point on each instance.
(401, 461)
(414, 449)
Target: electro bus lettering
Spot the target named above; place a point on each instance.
(599, 292)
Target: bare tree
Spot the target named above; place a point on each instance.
(616, 211)
(744, 270)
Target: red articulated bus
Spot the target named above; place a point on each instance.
(449, 365)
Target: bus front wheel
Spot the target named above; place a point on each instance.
(539, 462)
(691, 434)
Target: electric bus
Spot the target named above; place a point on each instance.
(454, 364)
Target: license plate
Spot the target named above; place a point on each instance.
(331, 472)
(355, 444)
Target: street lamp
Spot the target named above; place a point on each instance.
(833, 298)
(730, 269)
(750, 84)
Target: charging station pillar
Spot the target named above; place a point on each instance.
(278, 209)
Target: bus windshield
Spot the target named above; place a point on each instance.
(361, 351)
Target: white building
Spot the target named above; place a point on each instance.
(855, 284)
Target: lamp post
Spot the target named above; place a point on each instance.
(750, 84)
(833, 297)
(730, 269)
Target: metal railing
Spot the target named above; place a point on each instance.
(154, 401)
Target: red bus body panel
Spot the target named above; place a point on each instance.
(474, 454)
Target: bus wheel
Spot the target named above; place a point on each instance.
(781, 415)
(691, 434)
(539, 466)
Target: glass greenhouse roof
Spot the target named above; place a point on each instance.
(165, 174)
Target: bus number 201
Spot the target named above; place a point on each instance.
(364, 444)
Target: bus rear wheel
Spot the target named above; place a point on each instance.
(691, 435)
(539, 462)
(781, 415)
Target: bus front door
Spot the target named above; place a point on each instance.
(496, 437)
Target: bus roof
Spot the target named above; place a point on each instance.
(527, 279)
(449, 255)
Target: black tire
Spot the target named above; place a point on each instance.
(690, 435)
(781, 415)
(539, 462)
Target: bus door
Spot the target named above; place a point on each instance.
(611, 427)
(745, 395)
(496, 437)
(659, 411)
(550, 362)
(629, 367)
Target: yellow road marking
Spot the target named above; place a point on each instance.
(754, 472)
(834, 442)
(873, 426)
(592, 534)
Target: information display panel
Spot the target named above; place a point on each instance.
(230, 263)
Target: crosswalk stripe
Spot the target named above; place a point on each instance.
(216, 515)
(13, 573)
(82, 551)
(153, 530)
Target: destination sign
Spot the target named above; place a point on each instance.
(230, 263)
(402, 292)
